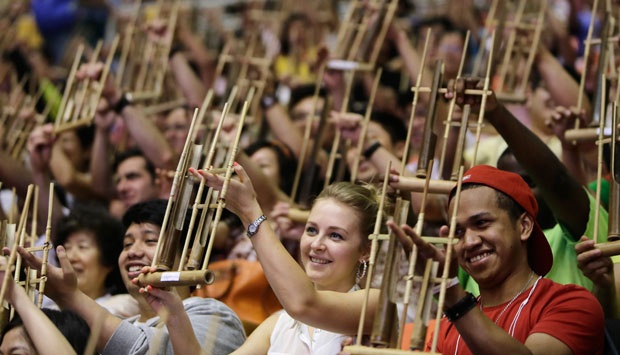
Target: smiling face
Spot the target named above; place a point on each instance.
(85, 257)
(490, 244)
(134, 183)
(331, 246)
(139, 245)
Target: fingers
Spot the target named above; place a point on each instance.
(404, 239)
(28, 258)
(240, 171)
(65, 264)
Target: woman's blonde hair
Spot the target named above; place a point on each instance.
(364, 199)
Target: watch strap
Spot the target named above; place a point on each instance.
(461, 307)
(253, 227)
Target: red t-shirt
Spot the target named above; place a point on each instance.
(569, 313)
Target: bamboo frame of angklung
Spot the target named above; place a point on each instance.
(80, 99)
(147, 83)
(612, 246)
(169, 242)
(364, 125)
(19, 128)
(605, 64)
(201, 241)
(337, 151)
(127, 39)
(518, 59)
(32, 281)
(359, 38)
(441, 282)
(424, 185)
(302, 161)
(242, 59)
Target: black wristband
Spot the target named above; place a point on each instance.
(267, 101)
(461, 307)
(368, 152)
(174, 49)
(121, 103)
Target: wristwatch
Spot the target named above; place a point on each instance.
(267, 101)
(253, 227)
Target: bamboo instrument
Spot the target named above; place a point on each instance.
(383, 330)
(201, 275)
(336, 143)
(374, 237)
(614, 181)
(364, 128)
(170, 233)
(515, 68)
(232, 154)
(451, 106)
(311, 165)
(200, 240)
(586, 133)
(79, 104)
(428, 141)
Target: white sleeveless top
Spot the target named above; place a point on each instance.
(292, 337)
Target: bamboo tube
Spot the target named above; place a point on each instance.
(373, 253)
(164, 243)
(200, 240)
(231, 161)
(446, 266)
(176, 278)
(307, 132)
(385, 315)
(451, 105)
(336, 142)
(364, 128)
(46, 246)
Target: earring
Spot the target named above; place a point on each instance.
(361, 270)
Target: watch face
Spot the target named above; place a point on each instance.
(252, 229)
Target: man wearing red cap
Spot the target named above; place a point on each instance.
(502, 247)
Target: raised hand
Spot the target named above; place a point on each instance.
(594, 266)
(39, 145)
(240, 195)
(285, 227)
(61, 282)
(408, 238)
(463, 90)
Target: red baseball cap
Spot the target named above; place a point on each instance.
(540, 256)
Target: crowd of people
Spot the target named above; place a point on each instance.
(526, 274)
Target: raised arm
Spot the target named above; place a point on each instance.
(565, 196)
(62, 288)
(293, 288)
(143, 130)
(45, 336)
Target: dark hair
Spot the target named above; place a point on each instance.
(286, 28)
(302, 92)
(131, 153)
(86, 135)
(107, 232)
(153, 212)
(504, 201)
(287, 163)
(72, 326)
(392, 124)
